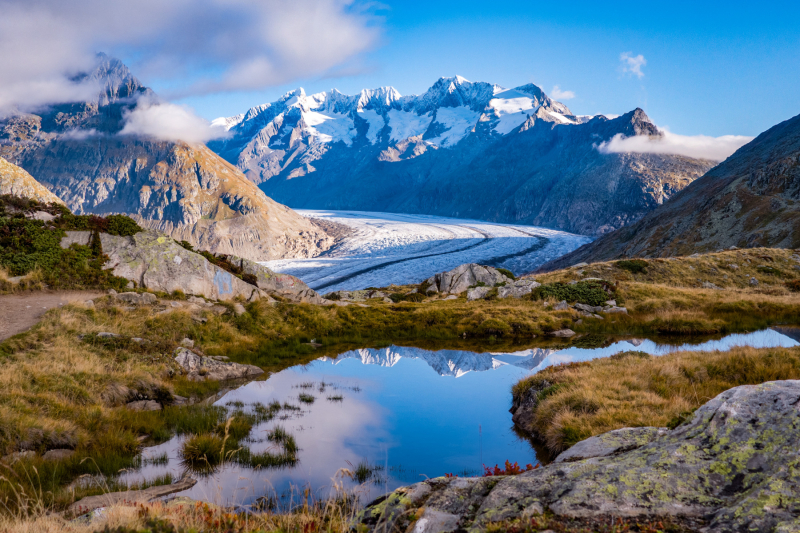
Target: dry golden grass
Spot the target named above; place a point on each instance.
(579, 400)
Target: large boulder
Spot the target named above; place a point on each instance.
(465, 276)
(156, 262)
(733, 467)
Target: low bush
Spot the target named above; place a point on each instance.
(507, 273)
(635, 266)
(586, 292)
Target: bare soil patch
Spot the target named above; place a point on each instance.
(21, 311)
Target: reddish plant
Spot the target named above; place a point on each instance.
(510, 469)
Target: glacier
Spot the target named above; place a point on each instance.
(395, 248)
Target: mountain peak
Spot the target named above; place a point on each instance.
(115, 80)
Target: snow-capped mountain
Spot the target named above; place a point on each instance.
(380, 151)
(453, 363)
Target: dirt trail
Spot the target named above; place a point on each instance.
(20, 312)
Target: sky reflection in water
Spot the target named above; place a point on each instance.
(420, 413)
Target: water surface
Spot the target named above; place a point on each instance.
(414, 413)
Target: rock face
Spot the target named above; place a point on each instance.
(16, 182)
(733, 468)
(282, 285)
(200, 368)
(465, 276)
(752, 199)
(434, 153)
(78, 152)
(155, 262)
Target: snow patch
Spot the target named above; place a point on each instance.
(512, 108)
(329, 127)
(375, 122)
(459, 121)
(405, 124)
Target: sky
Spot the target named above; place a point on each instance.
(696, 68)
(711, 68)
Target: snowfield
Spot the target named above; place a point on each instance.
(387, 248)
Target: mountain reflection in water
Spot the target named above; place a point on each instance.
(414, 413)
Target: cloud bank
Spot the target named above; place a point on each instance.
(558, 94)
(196, 46)
(169, 122)
(631, 64)
(697, 146)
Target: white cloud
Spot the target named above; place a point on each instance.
(558, 94)
(78, 135)
(697, 146)
(632, 64)
(193, 46)
(169, 122)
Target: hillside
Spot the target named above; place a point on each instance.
(187, 191)
(15, 181)
(750, 200)
(430, 154)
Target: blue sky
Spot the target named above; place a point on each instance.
(730, 68)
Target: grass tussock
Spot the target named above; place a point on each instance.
(579, 400)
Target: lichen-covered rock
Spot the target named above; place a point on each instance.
(611, 443)
(477, 293)
(734, 467)
(465, 276)
(199, 367)
(156, 262)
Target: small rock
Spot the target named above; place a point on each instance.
(89, 304)
(573, 282)
(387, 301)
(709, 285)
(239, 309)
(58, 455)
(477, 293)
(107, 335)
(622, 310)
(200, 319)
(754, 282)
(15, 279)
(579, 265)
(17, 456)
(562, 333)
(733, 248)
(451, 297)
(187, 343)
(130, 285)
(139, 340)
(219, 309)
(733, 266)
(175, 304)
(611, 303)
(144, 405)
(579, 322)
(196, 300)
(112, 292)
(561, 306)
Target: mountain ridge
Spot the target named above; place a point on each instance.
(752, 199)
(76, 151)
(430, 154)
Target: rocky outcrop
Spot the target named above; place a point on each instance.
(731, 468)
(155, 262)
(16, 182)
(78, 152)
(750, 200)
(199, 367)
(464, 277)
(281, 285)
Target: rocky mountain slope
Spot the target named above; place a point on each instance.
(750, 200)
(442, 152)
(16, 182)
(187, 191)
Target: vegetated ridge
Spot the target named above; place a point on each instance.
(750, 200)
(77, 152)
(462, 149)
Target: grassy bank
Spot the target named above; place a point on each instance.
(579, 400)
